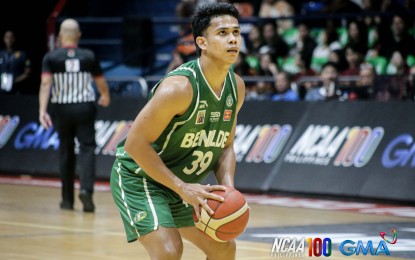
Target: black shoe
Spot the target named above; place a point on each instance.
(66, 205)
(86, 199)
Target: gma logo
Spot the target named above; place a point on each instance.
(349, 247)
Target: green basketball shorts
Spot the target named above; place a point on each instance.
(145, 205)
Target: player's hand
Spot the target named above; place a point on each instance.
(197, 194)
(45, 120)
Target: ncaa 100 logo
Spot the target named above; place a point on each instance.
(354, 146)
(322, 247)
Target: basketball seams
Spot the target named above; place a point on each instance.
(230, 217)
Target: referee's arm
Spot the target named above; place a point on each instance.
(44, 93)
(103, 89)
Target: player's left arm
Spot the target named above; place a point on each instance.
(225, 169)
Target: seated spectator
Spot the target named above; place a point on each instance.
(328, 89)
(400, 41)
(267, 65)
(338, 57)
(255, 41)
(261, 91)
(397, 65)
(245, 8)
(354, 56)
(283, 90)
(305, 43)
(303, 63)
(329, 41)
(357, 35)
(397, 84)
(185, 49)
(278, 9)
(242, 67)
(185, 8)
(273, 42)
(365, 85)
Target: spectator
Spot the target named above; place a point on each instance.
(337, 56)
(303, 63)
(278, 9)
(241, 66)
(305, 43)
(328, 88)
(400, 41)
(329, 41)
(267, 65)
(396, 85)
(397, 65)
(283, 90)
(340, 6)
(381, 40)
(357, 35)
(367, 75)
(68, 70)
(262, 90)
(185, 8)
(273, 43)
(185, 49)
(255, 41)
(15, 67)
(354, 56)
(369, 6)
(366, 84)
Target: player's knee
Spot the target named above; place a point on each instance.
(230, 246)
(170, 250)
(226, 250)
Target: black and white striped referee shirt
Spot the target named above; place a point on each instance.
(72, 69)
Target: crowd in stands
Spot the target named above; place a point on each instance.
(323, 50)
(299, 50)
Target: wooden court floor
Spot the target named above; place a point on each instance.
(33, 227)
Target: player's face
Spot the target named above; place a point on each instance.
(223, 38)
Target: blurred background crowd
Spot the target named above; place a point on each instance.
(323, 50)
(292, 50)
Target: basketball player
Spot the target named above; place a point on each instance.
(185, 131)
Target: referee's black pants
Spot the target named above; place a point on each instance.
(76, 120)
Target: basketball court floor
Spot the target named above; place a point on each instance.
(33, 227)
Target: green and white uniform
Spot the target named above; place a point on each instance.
(190, 146)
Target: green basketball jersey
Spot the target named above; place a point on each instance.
(192, 143)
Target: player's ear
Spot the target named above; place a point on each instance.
(201, 42)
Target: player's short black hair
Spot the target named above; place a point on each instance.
(204, 14)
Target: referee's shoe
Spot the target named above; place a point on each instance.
(86, 199)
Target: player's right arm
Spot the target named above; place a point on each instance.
(173, 97)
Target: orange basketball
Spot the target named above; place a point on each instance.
(230, 217)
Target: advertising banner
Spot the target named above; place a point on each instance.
(363, 149)
(27, 148)
(355, 149)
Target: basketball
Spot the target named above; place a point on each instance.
(230, 217)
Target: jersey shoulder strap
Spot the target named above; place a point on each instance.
(189, 70)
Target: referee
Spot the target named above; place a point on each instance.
(66, 79)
